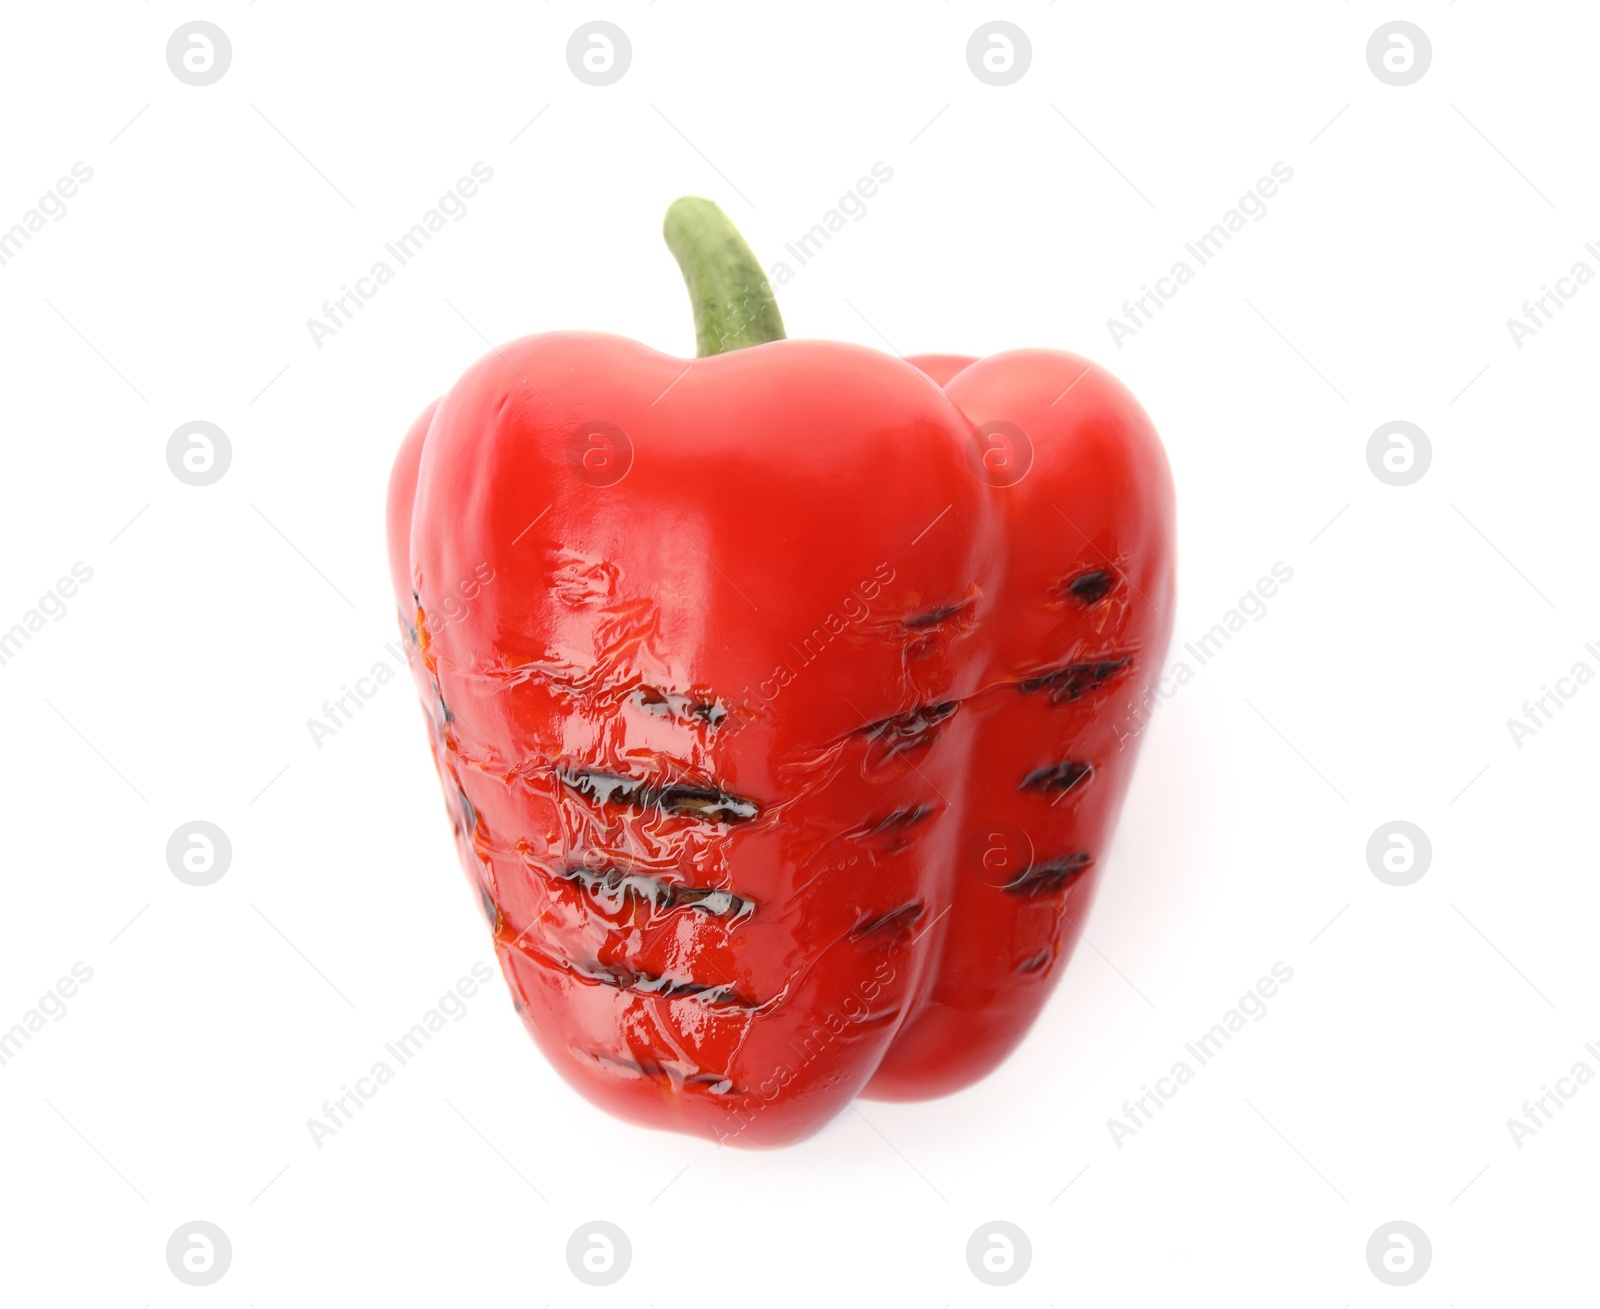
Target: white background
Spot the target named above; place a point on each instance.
(1419, 619)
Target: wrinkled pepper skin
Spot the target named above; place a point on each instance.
(783, 738)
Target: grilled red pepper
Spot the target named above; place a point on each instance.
(781, 697)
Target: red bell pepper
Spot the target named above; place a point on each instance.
(779, 696)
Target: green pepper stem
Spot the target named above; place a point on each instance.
(733, 305)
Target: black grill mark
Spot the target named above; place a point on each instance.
(618, 885)
(718, 1084)
(664, 987)
(895, 921)
(1092, 586)
(936, 616)
(1062, 777)
(912, 729)
(1075, 680)
(704, 803)
(901, 818)
(714, 1083)
(1048, 878)
(680, 799)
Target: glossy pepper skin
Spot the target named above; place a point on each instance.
(784, 701)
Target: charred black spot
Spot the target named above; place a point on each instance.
(680, 799)
(668, 704)
(1075, 680)
(613, 887)
(1053, 778)
(909, 730)
(893, 922)
(1034, 962)
(1050, 877)
(1092, 586)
